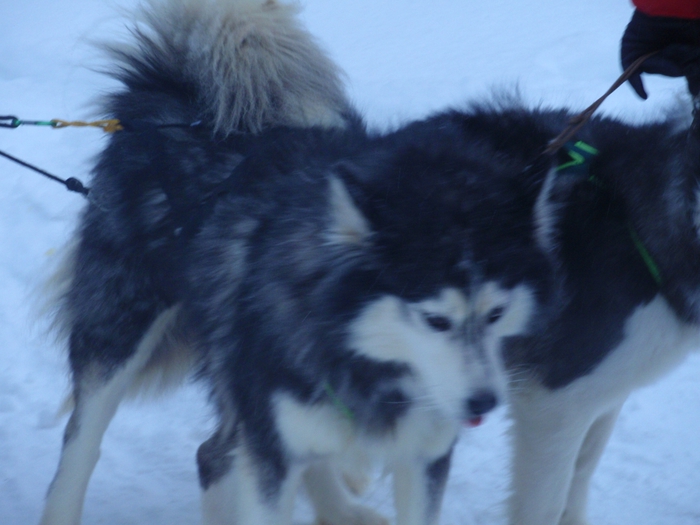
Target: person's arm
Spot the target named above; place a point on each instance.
(669, 8)
(671, 28)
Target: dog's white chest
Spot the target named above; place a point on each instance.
(654, 342)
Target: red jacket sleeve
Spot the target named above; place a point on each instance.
(671, 8)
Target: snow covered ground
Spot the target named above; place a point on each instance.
(403, 58)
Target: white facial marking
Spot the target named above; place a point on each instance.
(451, 342)
(520, 305)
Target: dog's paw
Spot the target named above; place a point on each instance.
(355, 515)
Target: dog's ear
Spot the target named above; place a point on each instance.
(551, 201)
(536, 174)
(348, 225)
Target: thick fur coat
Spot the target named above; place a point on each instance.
(341, 293)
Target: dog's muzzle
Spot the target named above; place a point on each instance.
(478, 404)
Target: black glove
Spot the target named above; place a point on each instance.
(677, 42)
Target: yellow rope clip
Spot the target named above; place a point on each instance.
(108, 126)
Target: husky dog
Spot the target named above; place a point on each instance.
(622, 225)
(340, 293)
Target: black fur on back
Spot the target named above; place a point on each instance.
(272, 299)
(644, 180)
(234, 227)
(156, 188)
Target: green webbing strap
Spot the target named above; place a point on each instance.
(646, 256)
(337, 402)
(581, 155)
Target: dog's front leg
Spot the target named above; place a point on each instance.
(418, 489)
(586, 463)
(240, 487)
(548, 432)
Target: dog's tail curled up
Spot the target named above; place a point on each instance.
(246, 65)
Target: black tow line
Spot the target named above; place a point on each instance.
(71, 183)
(109, 126)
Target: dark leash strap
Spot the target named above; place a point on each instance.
(109, 126)
(578, 121)
(71, 183)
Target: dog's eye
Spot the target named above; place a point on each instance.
(495, 314)
(439, 323)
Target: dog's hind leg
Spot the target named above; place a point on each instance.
(96, 402)
(586, 463)
(239, 487)
(331, 501)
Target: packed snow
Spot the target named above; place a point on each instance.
(404, 59)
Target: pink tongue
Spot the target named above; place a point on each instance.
(474, 421)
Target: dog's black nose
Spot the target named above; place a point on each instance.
(481, 402)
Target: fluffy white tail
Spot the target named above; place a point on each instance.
(250, 63)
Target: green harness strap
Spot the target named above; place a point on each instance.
(646, 256)
(337, 402)
(581, 155)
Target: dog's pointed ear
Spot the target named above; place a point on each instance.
(536, 175)
(554, 193)
(348, 225)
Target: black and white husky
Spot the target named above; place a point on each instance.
(621, 218)
(340, 293)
